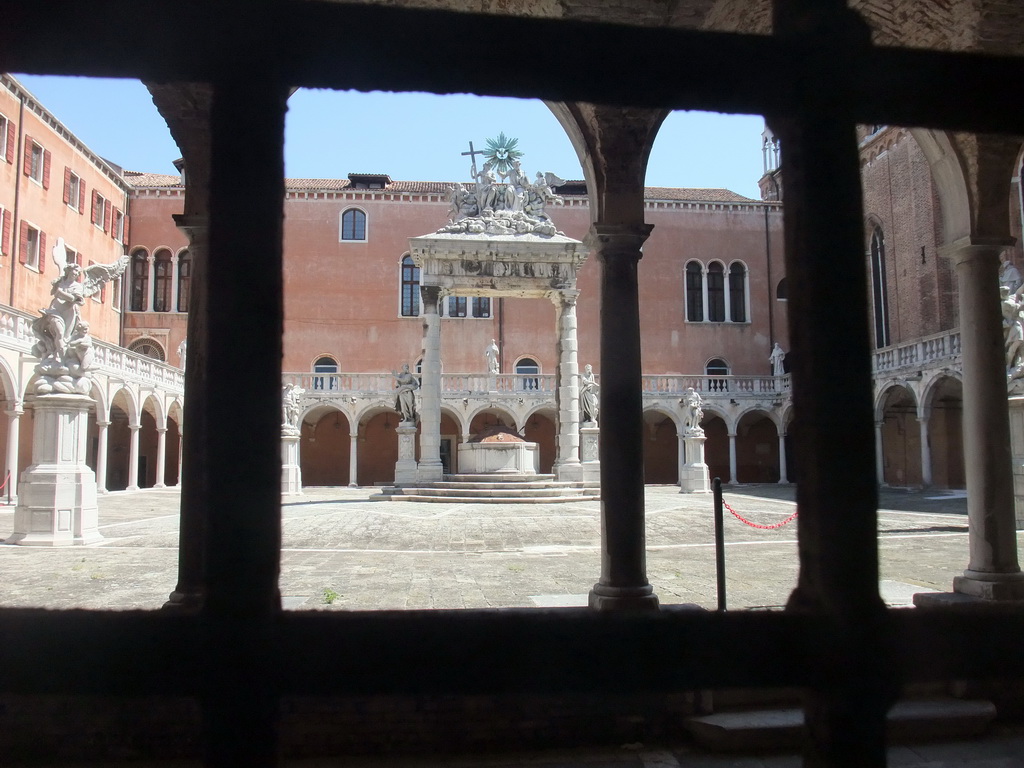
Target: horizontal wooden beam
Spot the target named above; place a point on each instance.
(368, 47)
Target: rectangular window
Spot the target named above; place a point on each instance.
(694, 293)
(5, 232)
(716, 294)
(32, 242)
(456, 306)
(115, 294)
(5, 131)
(101, 211)
(481, 307)
(35, 162)
(72, 189)
(117, 227)
(7, 147)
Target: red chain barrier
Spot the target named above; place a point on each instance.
(4, 483)
(744, 520)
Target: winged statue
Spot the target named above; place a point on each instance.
(63, 344)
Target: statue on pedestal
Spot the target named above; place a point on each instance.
(63, 344)
(693, 414)
(590, 402)
(491, 354)
(290, 410)
(1009, 275)
(405, 394)
(776, 358)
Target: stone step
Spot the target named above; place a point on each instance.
(498, 477)
(475, 493)
(484, 499)
(909, 721)
(506, 486)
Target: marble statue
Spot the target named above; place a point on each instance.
(290, 409)
(63, 344)
(590, 402)
(512, 205)
(182, 350)
(693, 414)
(776, 358)
(491, 353)
(405, 394)
(1009, 275)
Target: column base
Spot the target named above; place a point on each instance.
(605, 598)
(990, 586)
(184, 601)
(291, 472)
(569, 473)
(430, 472)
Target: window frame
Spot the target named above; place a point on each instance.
(163, 280)
(409, 304)
(36, 161)
(693, 295)
(742, 293)
(322, 370)
(139, 285)
(356, 212)
(523, 381)
(183, 281)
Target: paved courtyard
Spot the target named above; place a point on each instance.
(342, 551)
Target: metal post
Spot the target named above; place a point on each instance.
(716, 487)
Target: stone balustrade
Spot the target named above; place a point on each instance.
(926, 352)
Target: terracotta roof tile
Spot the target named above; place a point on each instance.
(140, 179)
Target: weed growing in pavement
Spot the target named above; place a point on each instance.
(330, 595)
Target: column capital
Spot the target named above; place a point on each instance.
(971, 248)
(564, 297)
(103, 424)
(151, 259)
(134, 427)
(15, 412)
(161, 430)
(617, 239)
(431, 294)
(196, 227)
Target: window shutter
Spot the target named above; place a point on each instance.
(5, 234)
(113, 220)
(10, 142)
(23, 243)
(124, 236)
(67, 186)
(27, 166)
(81, 198)
(46, 169)
(42, 252)
(92, 213)
(106, 215)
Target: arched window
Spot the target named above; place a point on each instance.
(184, 279)
(738, 293)
(527, 369)
(162, 276)
(782, 289)
(694, 292)
(410, 288)
(716, 292)
(147, 347)
(353, 225)
(879, 292)
(717, 367)
(140, 281)
(327, 368)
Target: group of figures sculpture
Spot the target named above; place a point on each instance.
(1012, 308)
(290, 408)
(501, 200)
(62, 340)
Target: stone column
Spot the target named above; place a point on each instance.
(879, 453)
(151, 284)
(993, 571)
(623, 583)
(101, 456)
(13, 444)
(926, 452)
(567, 392)
(57, 502)
(353, 458)
(133, 457)
(732, 458)
(783, 474)
(192, 465)
(161, 457)
(430, 467)
(174, 284)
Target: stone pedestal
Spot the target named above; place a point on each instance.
(291, 472)
(1016, 407)
(694, 476)
(519, 458)
(590, 457)
(405, 467)
(57, 493)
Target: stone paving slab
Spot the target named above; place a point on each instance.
(342, 551)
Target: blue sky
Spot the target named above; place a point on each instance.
(409, 136)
